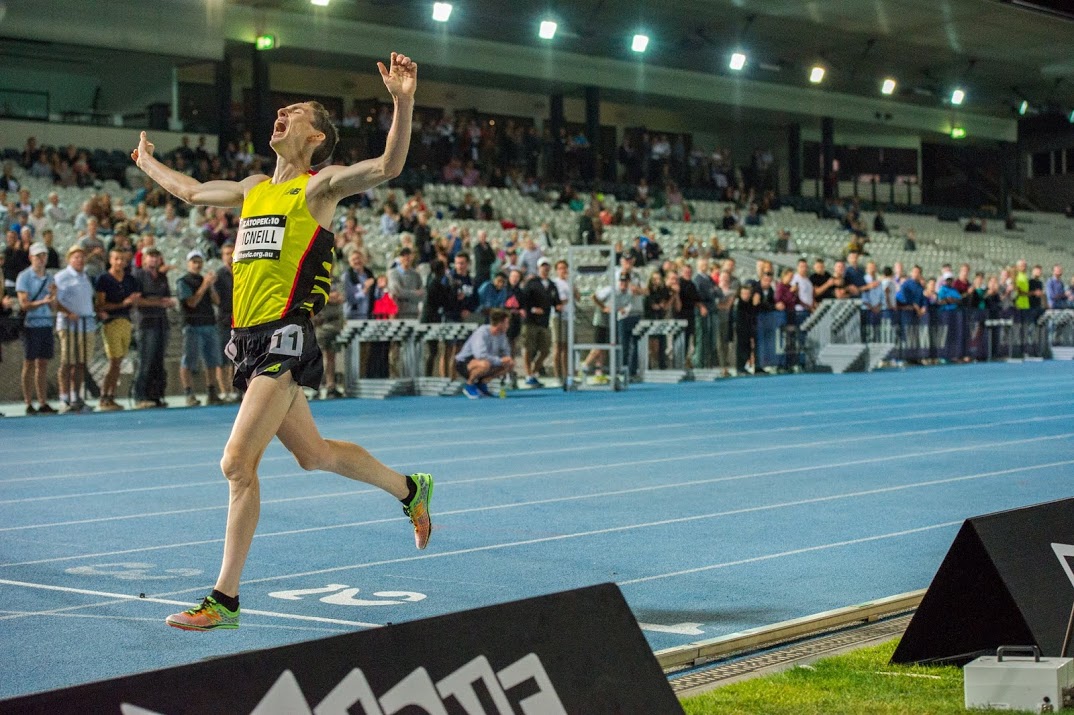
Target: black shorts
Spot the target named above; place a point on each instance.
(37, 343)
(274, 349)
(463, 369)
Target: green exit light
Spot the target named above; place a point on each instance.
(958, 133)
(266, 42)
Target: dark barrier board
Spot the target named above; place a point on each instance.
(1006, 580)
(571, 653)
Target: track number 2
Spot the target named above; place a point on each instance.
(287, 341)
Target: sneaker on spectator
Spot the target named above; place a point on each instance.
(601, 379)
(146, 404)
(192, 400)
(107, 404)
(31, 410)
(65, 408)
(214, 399)
(159, 402)
(483, 388)
(471, 392)
(83, 407)
(532, 381)
(332, 394)
(46, 409)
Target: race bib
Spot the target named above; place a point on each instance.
(260, 237)
(287, 341)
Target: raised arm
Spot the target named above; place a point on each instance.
(401, 79)
(225, 194)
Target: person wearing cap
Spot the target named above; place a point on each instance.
(36, 291)
(539, 298)
(76, 325)
(155, 297)
(117, 292)
(620, 301)
(197, 297)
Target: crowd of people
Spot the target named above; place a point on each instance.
(114, 277)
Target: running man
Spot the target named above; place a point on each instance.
(282, 267)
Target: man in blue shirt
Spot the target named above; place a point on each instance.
(486, 355)
(36, 291)
(1054, 289)
(913, 307)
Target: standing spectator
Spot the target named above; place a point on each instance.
(117, 291)
(725, 333)
(913, 312)
(196, 299)
(16, 260)
(357, 287)
(484, 257)
(492, 294)
(823, 283)
(705, 320)
(531, 255)
(657, 307)
(539, 298)
(327, 326)
(872, 304)
(687, 309)
(155, 298)
(36, 292)
(769, 317)
(562, 319)
(608, 302)
(1054, 290)
(406, 291)
(745, 321)
(438, 302)
(75, 328)
(225, 291)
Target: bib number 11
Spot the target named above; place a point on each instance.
(287, 341)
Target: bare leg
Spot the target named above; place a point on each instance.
(41, 373)
(263, 410)
(27, 380)
(112, 378)
(299, 434)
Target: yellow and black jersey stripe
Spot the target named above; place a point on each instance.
(283, 258)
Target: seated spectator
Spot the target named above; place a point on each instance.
(753, 218)
(974, 225)
(485, 355)
(910, 242)
(389, 220)
(880, 225)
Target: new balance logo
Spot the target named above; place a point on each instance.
(417, 690)
(294, 192)
(273, 368)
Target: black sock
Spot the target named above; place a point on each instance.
(228, 602)
(412, 489)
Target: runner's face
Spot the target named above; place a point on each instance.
(292, 128)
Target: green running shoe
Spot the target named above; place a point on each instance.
(207, 616)
(418, 509)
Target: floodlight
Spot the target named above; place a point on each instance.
(639, 43)
(441, 11)
(738, 61)
(816, 76)
(1023, 107)
(957, 96)
(548, 30)
(888, 87)
(320, 3)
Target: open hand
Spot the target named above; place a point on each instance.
(401, 76)
(145, 148)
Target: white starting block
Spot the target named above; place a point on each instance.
(1029, 682)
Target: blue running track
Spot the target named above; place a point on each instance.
(716, 507)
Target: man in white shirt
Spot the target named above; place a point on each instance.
(804, 286)
(76, 325)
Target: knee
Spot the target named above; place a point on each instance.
(237, 468)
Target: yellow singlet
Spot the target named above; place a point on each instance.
(283, 258)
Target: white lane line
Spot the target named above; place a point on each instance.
(589, 446)
(792, 552)
(156, 599)
(698, 482)
(749, 450)
(391, 429)
(49, 614)
(635, 425)
(644, 525)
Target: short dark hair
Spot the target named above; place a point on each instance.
(498, 315)
(322, 122)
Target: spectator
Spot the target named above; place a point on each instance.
(53, 262)
(358, 284)
(531, 256)
(438, 302)
(823, 283)
(608, 302)
(706, 317)
(745, 322)
(910, 242)
(36, 291)
(539, 298)
(225, 291)
(974, 225)
(75, 328)
(484, 257)
(804, 287)
(1054, 289)
(404, 286)
(170, 224)
(55, 211)
(117, 292)
(155, 298)
(485, 355)
(880, 224)
(327, 325)
(200, 339)
(657, 306)
(16, 260)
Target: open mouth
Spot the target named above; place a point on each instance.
(279, 127)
